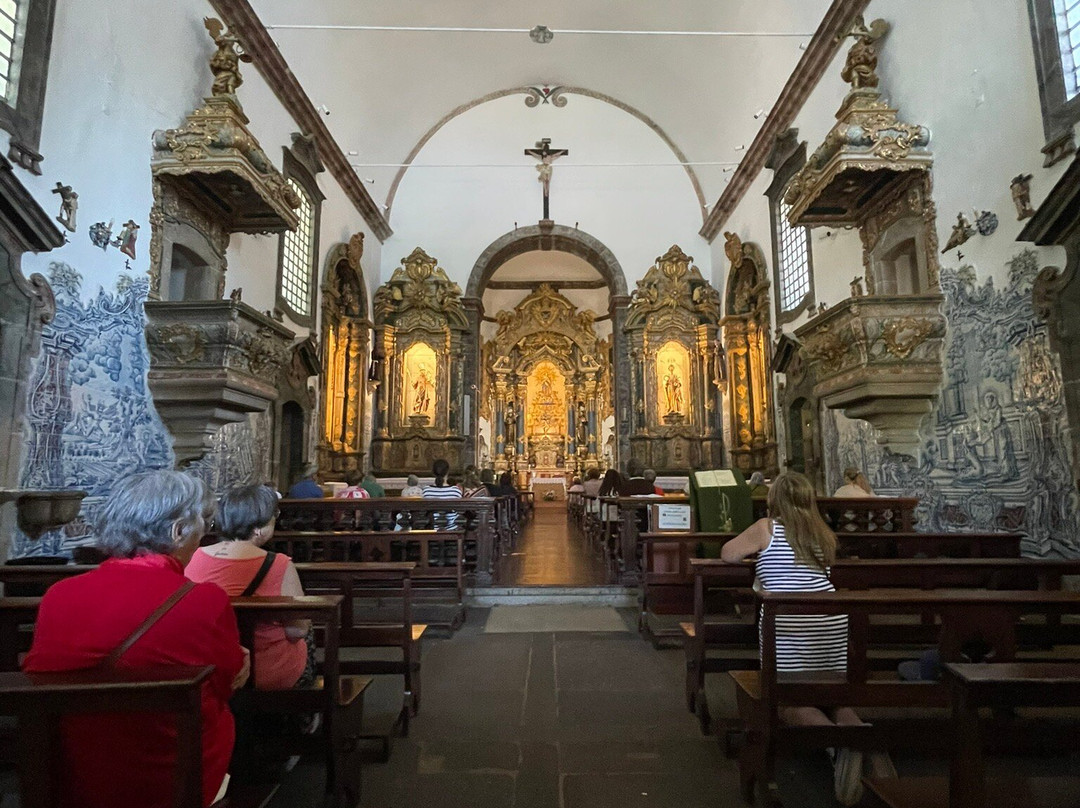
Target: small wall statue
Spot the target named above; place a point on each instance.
(126, 240)
(1021, 196)
(857, 287)
(101, 234)
(961, 232)
(69, 206)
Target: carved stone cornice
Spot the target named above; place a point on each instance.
(817, 57)
(250, 30)
(673, 291)
(879, 359)
(420, 295)
(211, 363)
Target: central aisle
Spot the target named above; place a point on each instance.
(549, 554)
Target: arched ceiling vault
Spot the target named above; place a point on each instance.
(386, 90)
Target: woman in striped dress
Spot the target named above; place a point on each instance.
(795, 549)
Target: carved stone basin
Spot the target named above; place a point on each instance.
(40, 510)
(879, 359)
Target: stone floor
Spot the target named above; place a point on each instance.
(542, 720)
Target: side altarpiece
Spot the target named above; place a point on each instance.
(419, 327)
(677, 372)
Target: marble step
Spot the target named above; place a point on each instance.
(617, 596)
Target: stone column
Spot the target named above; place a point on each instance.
(472, 373)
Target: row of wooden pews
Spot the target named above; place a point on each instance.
(905, 594)
(349, 529)
(339, 606)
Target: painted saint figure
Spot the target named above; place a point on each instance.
(421, 390)
(673, 390)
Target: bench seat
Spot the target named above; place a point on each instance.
(1009, 792)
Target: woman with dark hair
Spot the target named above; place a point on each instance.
(442, 490)
(240, 566)
(149, 527)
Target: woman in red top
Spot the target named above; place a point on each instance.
(150, 526)
(246, 518)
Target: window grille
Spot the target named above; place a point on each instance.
(297, 256)
(793, 258)
(1067, 17)
(12, 33)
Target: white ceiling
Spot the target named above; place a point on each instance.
(385, 90)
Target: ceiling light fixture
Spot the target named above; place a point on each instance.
(741, 148)
(761, 113)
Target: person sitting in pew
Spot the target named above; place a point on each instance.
(307, 487)
(412, 488)
(353, 488)
(138, 611)
(240, 566)
(443, 489)
(487, 477)
(506, 485)
(794, 549)
(373, 486)
(855, 484)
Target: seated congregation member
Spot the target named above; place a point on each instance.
(354, 489)
(758, 488)
(471, 485)
(506, 485)
(487, 477)
(307, 487)
(576, 487)
(373, 486)
(149, 527)
(635, 484)
(855, 484)
(412, 488)
(609, 487)
(591, 488)
(649, 475)
(794, 549)
(241, 567)
(443, 490)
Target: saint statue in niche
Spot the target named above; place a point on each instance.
(421, 390)
(581, 426)
(673, 390)
(511, 424)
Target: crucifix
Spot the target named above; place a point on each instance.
(546, 155)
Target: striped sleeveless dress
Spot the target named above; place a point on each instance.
(803, 642)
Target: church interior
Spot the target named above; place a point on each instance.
(507, 348)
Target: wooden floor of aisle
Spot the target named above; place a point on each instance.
(550, 553)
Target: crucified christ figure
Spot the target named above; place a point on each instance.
(546, 155)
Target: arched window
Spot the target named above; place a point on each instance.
(793, 266)
(1055, 32)
(299, 248)
(25, 39)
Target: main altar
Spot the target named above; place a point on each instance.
(546, 380)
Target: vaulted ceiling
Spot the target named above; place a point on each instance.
(386, 89)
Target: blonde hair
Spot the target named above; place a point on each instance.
(793, 503)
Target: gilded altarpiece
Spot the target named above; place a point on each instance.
(419, 327)
(747, 346)
(672, 328)
(346, 341)
(544, 378)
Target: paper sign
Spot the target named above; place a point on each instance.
(672, 517)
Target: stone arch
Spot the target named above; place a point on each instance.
(557, 237)
(552, 237)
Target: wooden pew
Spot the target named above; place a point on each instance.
(719, 584)
(960, 615)
(360, 582)
(438, 556)
(17, 618)
(39, 702)
(476, 517)
(31, 580)
(338, 698)
(667, 580)
(859, 514)
(972, 686)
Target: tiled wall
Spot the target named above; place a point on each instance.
(994, 456)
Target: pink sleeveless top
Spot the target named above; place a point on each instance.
(278, 662)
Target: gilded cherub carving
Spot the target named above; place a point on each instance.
(225, 63)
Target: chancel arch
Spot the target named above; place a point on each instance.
(346, 336)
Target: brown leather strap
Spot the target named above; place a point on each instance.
(156, 615)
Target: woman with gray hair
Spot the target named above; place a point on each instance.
(240, 566)
(138, 611)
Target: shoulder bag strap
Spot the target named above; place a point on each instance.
(268, 562)
(156, 615)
